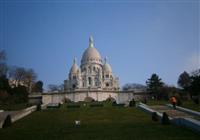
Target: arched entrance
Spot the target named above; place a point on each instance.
(89, 99)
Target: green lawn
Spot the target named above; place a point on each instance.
(102, 123)
(157, 102)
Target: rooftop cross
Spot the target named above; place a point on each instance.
(91, 42)
(106, 59)
(74, 60)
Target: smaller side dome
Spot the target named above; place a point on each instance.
(107, 67)
(74, 68)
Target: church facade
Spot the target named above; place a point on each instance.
(93, 73)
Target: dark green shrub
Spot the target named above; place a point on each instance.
(7, 122)
(132, 103)
(67, 100)
(179, 102)
(38, 107)
(96, 105)
(110, 100)
(118, 105)
(89, 99)
(4, 84)
(144, 100)
(154, 117)
(53, 105)
(165, 119)
(20, 94)
(73, 106)
(196, 100)
(114, 103)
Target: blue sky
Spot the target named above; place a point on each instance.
(138, 37)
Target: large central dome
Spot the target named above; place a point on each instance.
(91, 55)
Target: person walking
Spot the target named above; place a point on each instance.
(173, 101)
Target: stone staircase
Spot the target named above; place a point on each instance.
(180, 116)
(173, 113)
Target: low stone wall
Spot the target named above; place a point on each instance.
(148, 110)
(185, 122)
(76, 96)
(189, 111)
(44, 106)
(1, 123)
(16, 115)
(23, 113)
(188, 122)
(35, 99)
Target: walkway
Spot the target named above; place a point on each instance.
(172, 112)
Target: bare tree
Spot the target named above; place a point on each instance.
(53, 88)
(56, 88)
(29, 78)
(2, 55)
(134, 86)
(61, 87)
(22, 76)
(3, 66)
(17, 75)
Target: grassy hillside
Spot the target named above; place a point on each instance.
(97, 123)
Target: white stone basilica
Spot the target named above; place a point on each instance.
(93, 80)
(92, 74)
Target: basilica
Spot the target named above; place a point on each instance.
(93, 80)
(93, 73)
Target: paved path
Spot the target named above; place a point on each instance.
(172, 112)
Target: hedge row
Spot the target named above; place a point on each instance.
(73, 106)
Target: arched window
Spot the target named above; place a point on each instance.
(73, 86)
(84, 69)
(107, 84)
(74, 77)
(89, 69)
(90, 80)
